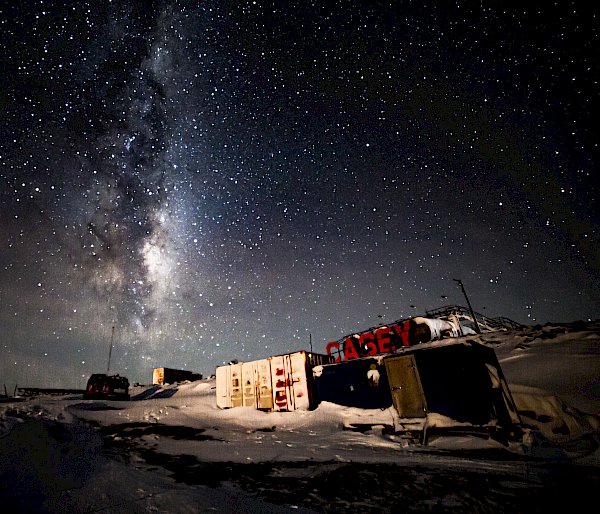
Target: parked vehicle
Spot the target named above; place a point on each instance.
(106, 387)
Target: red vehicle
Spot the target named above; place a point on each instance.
(106, 387)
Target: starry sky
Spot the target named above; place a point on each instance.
(233, 180)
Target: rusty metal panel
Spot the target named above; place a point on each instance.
(280, 382)
(158, 376)
(264, 387)
(298, 381)
(406, 388)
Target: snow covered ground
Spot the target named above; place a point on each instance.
(172, 450)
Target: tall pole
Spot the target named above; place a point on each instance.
(112, 335)
(477, 329)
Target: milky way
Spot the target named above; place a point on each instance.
(235, 181)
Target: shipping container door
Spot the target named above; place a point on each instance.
(298, 384)
(158, 376)
(280, 379)
(405, 385)
(264, 389)
(249, 384)
(237, 395)
(223, 379)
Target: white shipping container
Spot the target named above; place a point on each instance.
(256, 377)
(290, 384)
(229, 386)
(279, 383)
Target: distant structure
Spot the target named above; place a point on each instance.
(162, 376)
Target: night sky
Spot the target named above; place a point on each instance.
(234, 180)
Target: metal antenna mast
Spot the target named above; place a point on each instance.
(112, 336)
(477, 329)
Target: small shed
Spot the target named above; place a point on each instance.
(455, 385)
